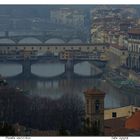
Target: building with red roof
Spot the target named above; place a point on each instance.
(133, 122)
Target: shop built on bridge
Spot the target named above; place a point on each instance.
(69, 54)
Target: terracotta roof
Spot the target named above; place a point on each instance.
(133, 122)
(94, 91)
(115, 123)
(126, 132)
(125, 23)
(134, 31)
(116, 127)
(118, 47)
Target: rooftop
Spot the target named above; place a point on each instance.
(94, 91)
(134, 31)
(126, 132)
(118, 47)
(116, 127)
(133, 122)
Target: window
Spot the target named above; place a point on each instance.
(132, 47)
(97, 123)
(114, 114)
(136, 48)
(87, 121)
(88, 106)
(97, 106)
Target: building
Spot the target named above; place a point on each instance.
(43, 48)
(133, 60)
(124, 122)
(58, 16)
(79, 55)
(120, 112)
(120, 52)
(67, 55)
(94, 108)
(67, 16)
(133, 122)
(116, 127)
(124, 26)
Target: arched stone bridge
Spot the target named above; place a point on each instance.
(69, 68)
(45, 37)
(79, 52)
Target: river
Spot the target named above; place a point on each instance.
(56, 88)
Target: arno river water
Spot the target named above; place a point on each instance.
(55, 88)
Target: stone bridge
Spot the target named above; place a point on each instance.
(69, 68)
(45, 36)
(27, 54)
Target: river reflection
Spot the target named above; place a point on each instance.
(55, 89)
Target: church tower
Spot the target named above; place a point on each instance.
(94, 108)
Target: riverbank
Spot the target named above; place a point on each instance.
(121, 82)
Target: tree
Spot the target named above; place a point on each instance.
(6, 130)
(63, 132)
(89, 130)
(71, 113)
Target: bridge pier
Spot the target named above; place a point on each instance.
(26, 68)
(69, 66)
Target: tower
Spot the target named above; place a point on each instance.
(94, 108)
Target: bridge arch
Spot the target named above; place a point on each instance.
(42, 70)
(10, 69)
(7, 41)
(54, 40)
(29, 40)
